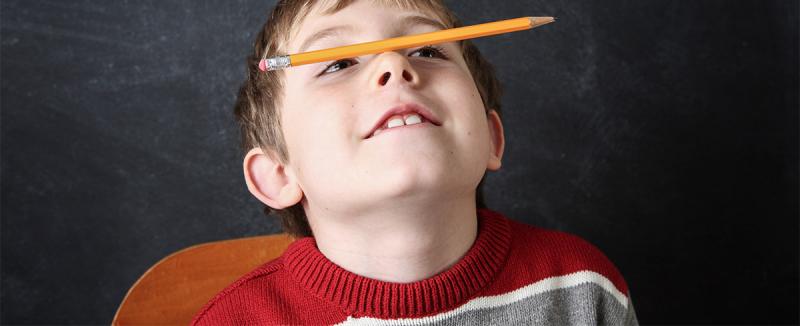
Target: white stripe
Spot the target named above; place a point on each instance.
(548, 284)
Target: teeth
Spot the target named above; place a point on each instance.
(395, 122)
(413, 119)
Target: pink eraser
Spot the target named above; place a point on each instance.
(262, 65)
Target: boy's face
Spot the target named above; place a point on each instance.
(328, 117)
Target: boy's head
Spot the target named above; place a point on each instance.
(310, 130)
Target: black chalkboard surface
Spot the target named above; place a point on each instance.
(664, 132)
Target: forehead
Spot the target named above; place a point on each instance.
(339, 19)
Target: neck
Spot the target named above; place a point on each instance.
(398, 244)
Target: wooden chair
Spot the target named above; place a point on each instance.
(173, 290)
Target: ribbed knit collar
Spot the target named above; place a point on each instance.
(361, 296)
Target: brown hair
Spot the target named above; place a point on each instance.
(259, 98)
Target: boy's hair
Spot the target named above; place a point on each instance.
(259, 98)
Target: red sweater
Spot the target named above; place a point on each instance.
(513, 274)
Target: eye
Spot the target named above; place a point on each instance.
(431, 51)
(338, 65)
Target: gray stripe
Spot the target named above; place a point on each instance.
(585, 304)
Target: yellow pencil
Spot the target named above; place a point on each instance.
(355, 50)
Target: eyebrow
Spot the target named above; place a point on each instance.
(406, 22)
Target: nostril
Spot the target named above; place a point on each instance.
(384, 78)
(407, 75)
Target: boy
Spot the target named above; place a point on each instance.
(374, 164)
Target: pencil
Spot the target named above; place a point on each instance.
(447, 35)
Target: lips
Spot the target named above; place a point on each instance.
(403, 110)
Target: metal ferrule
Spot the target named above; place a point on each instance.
(278, 62)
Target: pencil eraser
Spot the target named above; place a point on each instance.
(262, 65)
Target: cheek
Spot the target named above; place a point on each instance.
(469, 115)
(314, 134)
(467, 107)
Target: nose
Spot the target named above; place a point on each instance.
(394, 68)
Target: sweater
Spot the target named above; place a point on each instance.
(514, 274)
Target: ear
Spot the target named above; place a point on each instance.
(498, 140)
(267, 179)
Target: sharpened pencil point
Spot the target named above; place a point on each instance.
(539, 21)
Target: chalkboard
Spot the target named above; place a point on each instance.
(663, 132)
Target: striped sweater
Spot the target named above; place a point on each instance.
(513, 274)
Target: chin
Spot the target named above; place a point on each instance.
(419, 182)
(424, 172)
(406, 180)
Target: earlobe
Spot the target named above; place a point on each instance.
(497, 140)
(268, 181)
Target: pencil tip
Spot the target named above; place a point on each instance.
(539, 21)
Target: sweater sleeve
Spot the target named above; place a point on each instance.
(630, 315)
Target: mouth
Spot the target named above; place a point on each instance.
(403, 115)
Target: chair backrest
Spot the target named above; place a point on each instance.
(173, 290)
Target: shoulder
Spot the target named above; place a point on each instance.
(228, 304)
(555, 253)
(557, 271)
